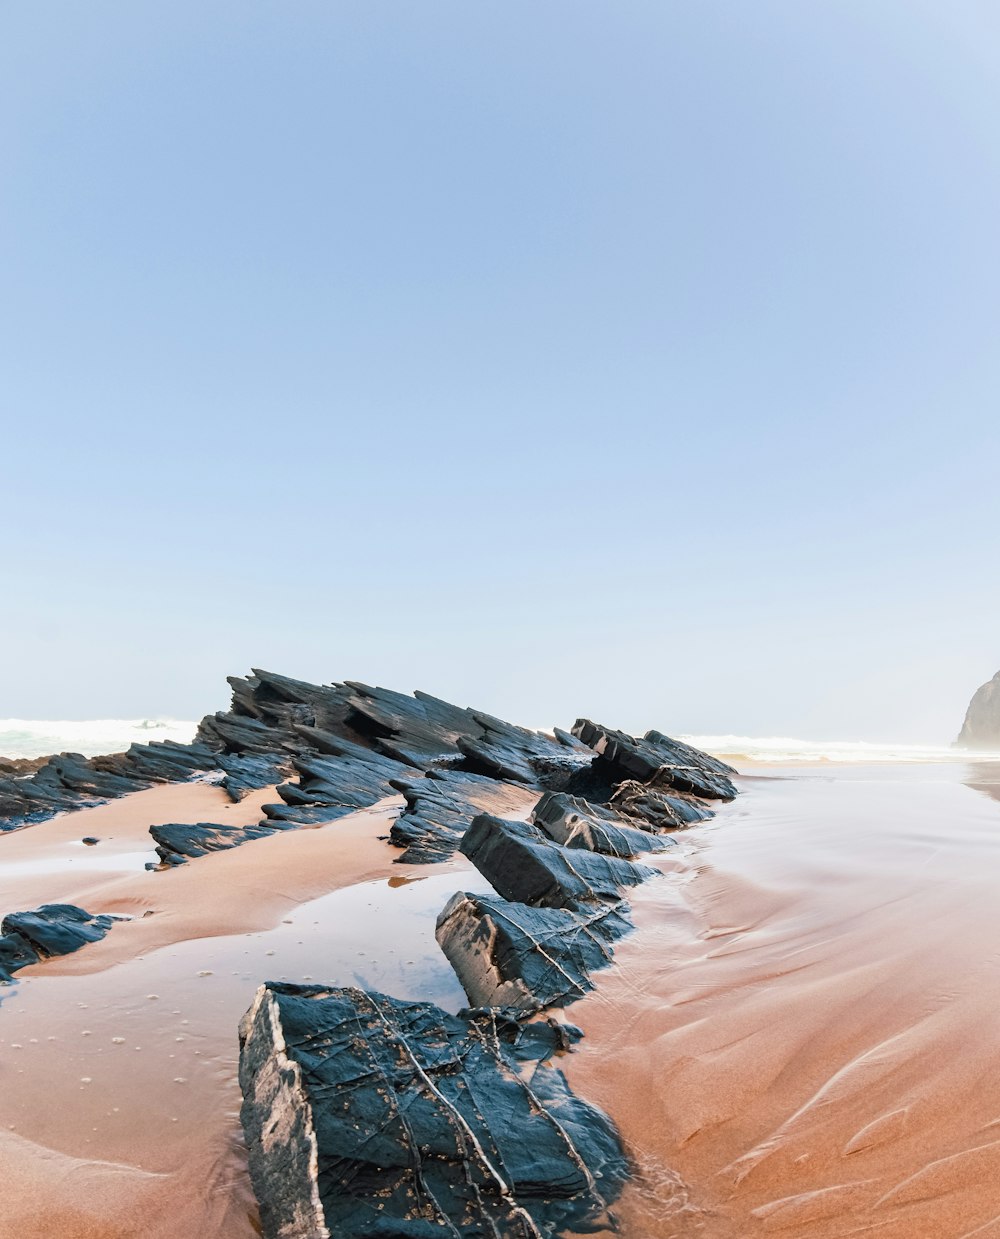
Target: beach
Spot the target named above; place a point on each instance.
(800, 1036)
(797, 1038)
(119, 1105)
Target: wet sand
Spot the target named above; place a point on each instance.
(119, 1103)
(801, 1038)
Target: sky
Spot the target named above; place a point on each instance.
(634, 359)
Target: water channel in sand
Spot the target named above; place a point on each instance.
(799, 1038)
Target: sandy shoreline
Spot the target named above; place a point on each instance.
(798, 1038)
(801, 1029)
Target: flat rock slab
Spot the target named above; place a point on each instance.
(177, 842)
(525, 959)
(524, 865)
(53, 929)
(365, 1116)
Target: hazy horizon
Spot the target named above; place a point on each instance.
(636, 360)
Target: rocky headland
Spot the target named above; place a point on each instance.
(981, 728)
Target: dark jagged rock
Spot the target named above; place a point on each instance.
(523, 865)
(981, 728)
(506, 751)
(577, 823)
(249, 771)
(421, 730)
(90, 840)
(53, 929)
(15, 952)
(332, 749)
(160, 761)
(438, 811)
(331, 787)
(177, 842)
(671, 763)
(70, 781)
(365, 1116)
(660, 810)
(510, 955)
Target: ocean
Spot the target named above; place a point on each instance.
(22, 737)
(38, 737)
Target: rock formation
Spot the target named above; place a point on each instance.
(518, 957)
(369, 1116)
(981, 729)
(366, 1116)
(53, 929)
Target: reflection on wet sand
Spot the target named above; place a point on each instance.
(801, 1037)
(984, 776)
(119, 1102)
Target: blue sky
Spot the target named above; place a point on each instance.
(636, 359)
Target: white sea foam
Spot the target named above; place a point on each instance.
(38, 737)
(788, 749)
(22, 737)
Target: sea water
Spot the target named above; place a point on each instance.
(20, 737)
(39, 737)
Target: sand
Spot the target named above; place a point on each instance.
(801, 1037)
(118, 1093)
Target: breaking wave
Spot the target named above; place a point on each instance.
(38, 737)
(787, 749)
(20, 737)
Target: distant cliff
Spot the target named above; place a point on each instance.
(981, 729)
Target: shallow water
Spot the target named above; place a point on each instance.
(119, 1101)
(803, 1030)
(800, 1037)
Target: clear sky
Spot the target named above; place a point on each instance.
(630, 358)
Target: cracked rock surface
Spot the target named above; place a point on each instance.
(365, 1116)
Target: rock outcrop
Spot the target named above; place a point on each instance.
(981, 729)
(279, 728)
(365, 1116)
(368, 1116)
(655, 758)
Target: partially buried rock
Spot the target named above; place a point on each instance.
(177, 842)
(53, 929)
(366, 1116)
